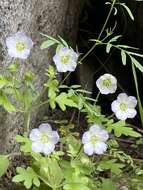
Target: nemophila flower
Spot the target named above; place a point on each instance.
(107, 84)
(65, 59)
(94, 140)
(124, 106)
(19, 45)
(44, 139)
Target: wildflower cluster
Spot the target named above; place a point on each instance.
(67, 160)
(124, 106)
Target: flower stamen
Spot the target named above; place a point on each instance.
(44, 139)
(65, 59)
(123, 107)
(107, 82)
(20, 46)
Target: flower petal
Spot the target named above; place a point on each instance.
(95, 128)
(132, 101)
(115, 106)
(106, 84)
(103, 135)
(35, 135)
(122, 97)
(11, 43)
(88, 149)
(48, 148)
(71, 62)
(121, 115)
(54, 137)
(45, 128)
(131, 113)
(37, 147)
(100, 148)
(86, 137)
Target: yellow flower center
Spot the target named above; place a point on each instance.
(44, 139)
(107, 82)
(65, 59)
(123, 107)
(93, 139)
(20, 46)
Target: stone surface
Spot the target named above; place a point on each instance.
(52, 17)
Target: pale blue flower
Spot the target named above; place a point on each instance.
(19, 45)
(124, 106)
(107, 84)
(65, 59)
(44, 139)
(94, 140)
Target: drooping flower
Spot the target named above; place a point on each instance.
(19, 45)
(94, 140)
(44, 139)
(107, 84)
(124, 106)
(65, 59)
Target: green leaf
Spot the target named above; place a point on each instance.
(50, 38)
(63, 42)
(52, 92)
(126, 47)
(136, 54)
(63, 100)
(75, 186)
(108, 47)
(119, 128)
(7, 104)
(110, 165)
(51, 72)
(27, 176)
(128, 10)
(108, 184)
(114, 39)
(3, 81)
(52, 88)
(47, 44)
(51, 172)
(4, 163)
(123, 56)
(14, 67)
(26, 143)
(73, 145)
(137, 64)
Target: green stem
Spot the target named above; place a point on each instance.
(97, 97)
(78, 153)
(102, 30)
(27, 123)
(137, 92)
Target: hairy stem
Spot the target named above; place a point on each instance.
(102, 30)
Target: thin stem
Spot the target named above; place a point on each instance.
(97, 97)
(27, 123)
(65, 78)
(102, 30)
(78, 153)
(41, 104)
(137, 92)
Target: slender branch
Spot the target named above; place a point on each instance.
(27, 123)
(102, 30)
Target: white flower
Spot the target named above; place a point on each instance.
(19, 45)
(94, 140)
(65, 59)
(124, 106)
(106, 84)
(44, 139)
